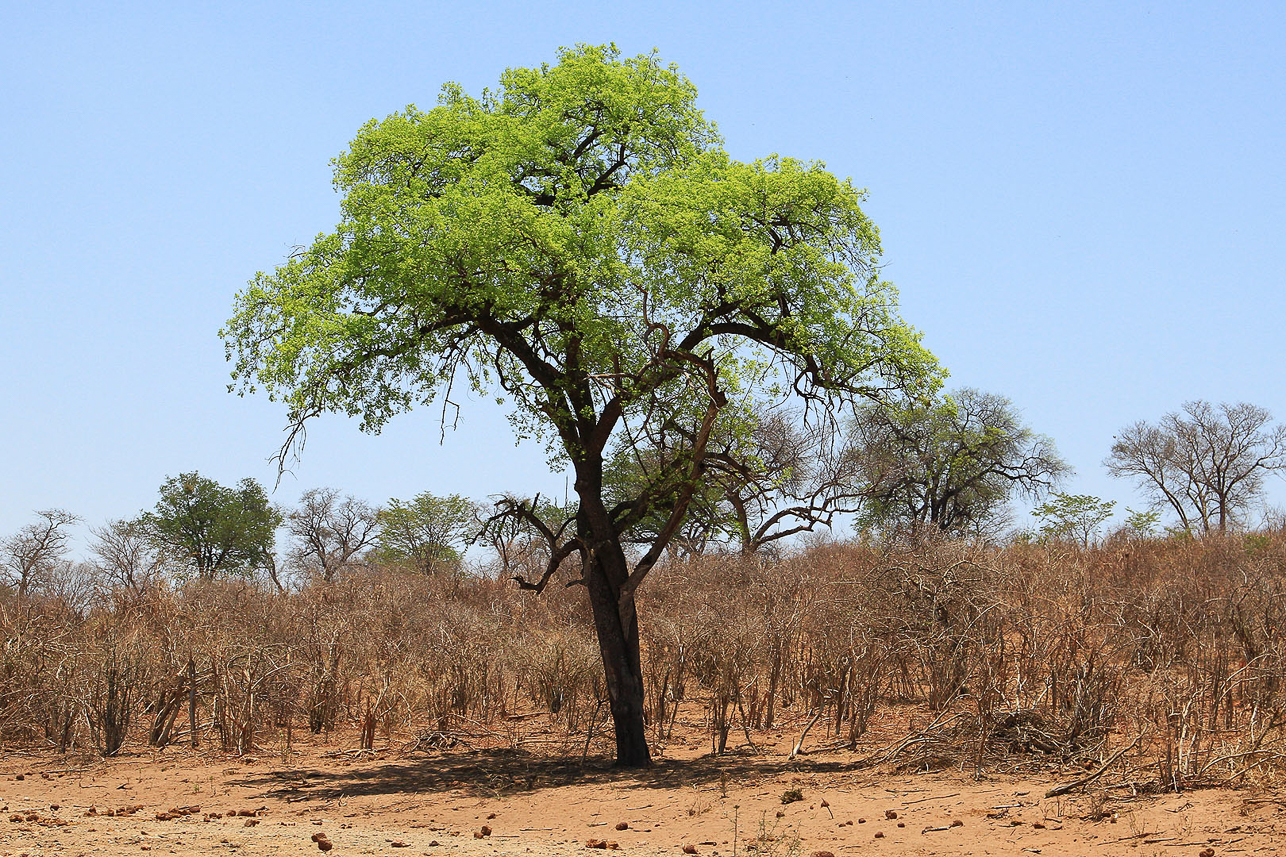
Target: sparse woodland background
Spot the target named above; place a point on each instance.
(934, 651)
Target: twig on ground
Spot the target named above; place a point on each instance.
(936, 797)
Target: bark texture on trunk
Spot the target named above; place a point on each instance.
(617, 625)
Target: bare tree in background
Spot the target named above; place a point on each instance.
(794, 477)
(952, 462)
(30, 557)
(1206, 463)
(532, 538)
(769, 474)
(329, 531)
(125, 556)
(522, 533)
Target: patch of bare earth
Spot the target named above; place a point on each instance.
(505, 802)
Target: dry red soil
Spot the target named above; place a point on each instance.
(318, 799)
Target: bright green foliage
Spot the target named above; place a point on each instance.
(429, 531)
(952, 462)
(1073, 517)
(578, 240)
(212, 531)
(1143, 524)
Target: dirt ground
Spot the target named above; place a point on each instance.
(513, 802)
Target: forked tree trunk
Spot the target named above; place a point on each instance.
(616, 623)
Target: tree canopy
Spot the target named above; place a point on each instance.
(577, 243)
(428, 531)
(209, 530)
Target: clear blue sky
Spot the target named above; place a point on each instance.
(1083, 204)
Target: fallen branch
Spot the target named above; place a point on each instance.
(924, 736)
(1089, 778)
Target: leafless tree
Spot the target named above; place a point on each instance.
(1206, 463)
(329, 531)
(768, 474)
(952, 462)
(125, 557)
(794, 477)
(521, 533)
(29, 557)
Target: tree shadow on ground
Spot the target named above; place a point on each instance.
(498, 773)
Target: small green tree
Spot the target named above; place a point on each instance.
(211, 531)
(429, 531)
(1142, 524)
(1073, 517)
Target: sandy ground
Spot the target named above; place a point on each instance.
(499, 802)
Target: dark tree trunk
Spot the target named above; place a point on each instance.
(617, 625)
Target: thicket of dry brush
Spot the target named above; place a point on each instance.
(950, 652)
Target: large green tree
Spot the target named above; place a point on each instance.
(209, 530)
(578, 243)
